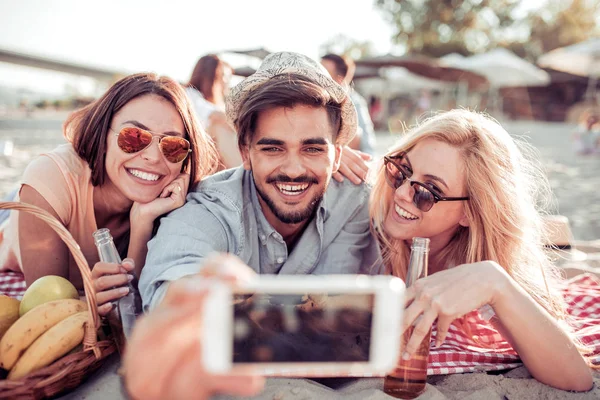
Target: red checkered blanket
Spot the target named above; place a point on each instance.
(12, 284)
(463, 353)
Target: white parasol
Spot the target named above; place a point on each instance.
(502, 68)
(581, 59)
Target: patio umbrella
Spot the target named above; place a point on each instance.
(259, 53)
(396, 80)
(581, 59)
(363, 72)
(244, 71)
(243, 64)
(426, 67)
(502, 68)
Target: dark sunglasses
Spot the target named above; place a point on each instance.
(132, 140)
(424, 197)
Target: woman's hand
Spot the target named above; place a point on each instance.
(446, 296)
(172, 197)
(142, 217)
(164, 356)
(353, 166)
(110, 282)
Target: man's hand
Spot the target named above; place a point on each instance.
(163, 359)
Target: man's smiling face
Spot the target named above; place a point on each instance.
(292, 157)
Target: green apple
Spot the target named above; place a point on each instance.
(45, 289)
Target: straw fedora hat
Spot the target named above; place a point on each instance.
(282, 63)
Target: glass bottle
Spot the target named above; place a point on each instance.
(409, 378)
(121, 317)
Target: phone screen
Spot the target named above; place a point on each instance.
(313, 327)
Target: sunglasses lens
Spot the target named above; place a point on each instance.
(423, 198)
(174, 148)
(132, 140)
(393, 175)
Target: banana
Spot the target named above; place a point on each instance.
(9, 313)
(31, 325)
(53, 344)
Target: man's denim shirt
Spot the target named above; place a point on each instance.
(223, 214)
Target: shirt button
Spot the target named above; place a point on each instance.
(262, 237)
(280, 260)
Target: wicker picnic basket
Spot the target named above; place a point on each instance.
(69, 371)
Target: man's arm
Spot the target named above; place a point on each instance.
(185, 238)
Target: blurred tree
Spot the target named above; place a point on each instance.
(562, 23)
(347, 46)
(440, 27)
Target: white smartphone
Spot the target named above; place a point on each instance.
(304, 325)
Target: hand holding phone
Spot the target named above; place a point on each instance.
(164, 358)
(310, 326)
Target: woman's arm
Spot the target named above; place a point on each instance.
(142, 217)
(110, 279)
(353, 166)
(140, 235)
(43, 252)
(545, 348)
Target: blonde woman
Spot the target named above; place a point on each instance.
(460, 180)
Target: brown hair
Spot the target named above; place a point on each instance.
(204, 74)
(344, 66)
(87, 128)
(286, 90)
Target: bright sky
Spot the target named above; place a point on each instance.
(168, 36)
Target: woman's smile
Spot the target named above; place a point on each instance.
(404, 214)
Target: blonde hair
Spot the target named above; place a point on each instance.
(506, 190)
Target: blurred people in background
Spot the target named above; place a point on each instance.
(376, 111)
(341, 70)
(586, 139)
(208, 86)
(207, 89)
(423, 103)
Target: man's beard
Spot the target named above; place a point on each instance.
(294, 217)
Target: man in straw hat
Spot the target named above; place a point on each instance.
(280, 212)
